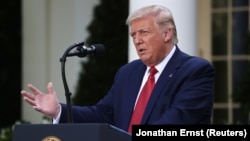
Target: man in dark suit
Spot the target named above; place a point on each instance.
(183, 89)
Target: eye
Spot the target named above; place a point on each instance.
(132, 35)
(144, 32)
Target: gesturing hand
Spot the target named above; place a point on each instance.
(47, 104)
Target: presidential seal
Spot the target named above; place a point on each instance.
(51, 138)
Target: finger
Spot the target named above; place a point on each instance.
(34, 89)
(50, 88)
(30, 101)
(37, 108)
(27, 94)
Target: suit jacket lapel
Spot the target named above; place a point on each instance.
(132, 91)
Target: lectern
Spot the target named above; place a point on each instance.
(69, 132)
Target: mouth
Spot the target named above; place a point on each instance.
(141, 50)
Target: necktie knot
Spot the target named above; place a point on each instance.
(153, 71)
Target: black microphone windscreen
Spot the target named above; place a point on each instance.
(99, 49)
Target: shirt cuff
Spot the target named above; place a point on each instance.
(57, 119)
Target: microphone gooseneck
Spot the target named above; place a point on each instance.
(81, 51)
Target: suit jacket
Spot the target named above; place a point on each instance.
(183, 94)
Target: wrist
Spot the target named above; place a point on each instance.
(58, 112)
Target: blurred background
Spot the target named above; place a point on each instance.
(34, 34)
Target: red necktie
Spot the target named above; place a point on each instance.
(143, 99)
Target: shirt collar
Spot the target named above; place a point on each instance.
(164, 62)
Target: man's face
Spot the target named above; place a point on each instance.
(149, 42)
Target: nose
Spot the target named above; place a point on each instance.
(137, 39)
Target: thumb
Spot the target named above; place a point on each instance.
(50, 88)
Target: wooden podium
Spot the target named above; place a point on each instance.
(69, 132)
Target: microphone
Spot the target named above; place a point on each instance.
(83, 51)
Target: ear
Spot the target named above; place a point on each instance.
(168, 35)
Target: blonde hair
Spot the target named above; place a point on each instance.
(163, 18)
